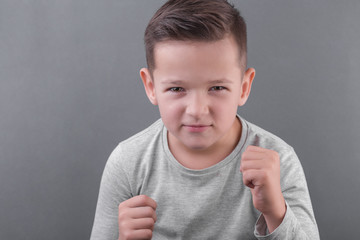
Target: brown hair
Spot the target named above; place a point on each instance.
(195, 20)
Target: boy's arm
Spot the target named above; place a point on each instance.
(114, 189)
(292, 219)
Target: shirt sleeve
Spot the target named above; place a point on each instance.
(299, 222)
(114, 188)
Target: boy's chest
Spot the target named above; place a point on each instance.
(210, 206)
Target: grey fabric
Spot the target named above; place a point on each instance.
(212, 203)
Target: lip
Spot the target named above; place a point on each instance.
(196, 128)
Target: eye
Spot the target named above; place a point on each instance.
(217, 88)
(176, 89)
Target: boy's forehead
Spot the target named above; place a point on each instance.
(199, 49)
(220, 47)
(216, 61)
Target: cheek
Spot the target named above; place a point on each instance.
(170, 109)
(224, 106)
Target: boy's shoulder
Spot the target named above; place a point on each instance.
(149, 133)
(140, 144)
(260, 137)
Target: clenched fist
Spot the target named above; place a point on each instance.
(261, 173)
(137, 218)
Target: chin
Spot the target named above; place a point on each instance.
(197, 146)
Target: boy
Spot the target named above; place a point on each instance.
(201, 171)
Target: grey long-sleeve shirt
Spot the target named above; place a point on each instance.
(211, 203)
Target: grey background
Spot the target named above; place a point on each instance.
(70, 91)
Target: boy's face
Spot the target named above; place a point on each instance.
(198, 87)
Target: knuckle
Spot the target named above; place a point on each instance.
(263, 175)
(266, 176)
(148, 233)
(150, 222)
(275, 163)
(148, 211)
(126, 234)
(142, 199)
(274, 154)
(121, 206)
(123, 226)
(122, 215)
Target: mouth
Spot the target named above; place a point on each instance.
(196, 128)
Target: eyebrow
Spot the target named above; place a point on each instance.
(216, 81)
(172, 82)
(179, 82)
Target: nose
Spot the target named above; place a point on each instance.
(197, 105)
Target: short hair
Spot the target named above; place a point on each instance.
(195, 20)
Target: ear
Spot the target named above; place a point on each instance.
(246, 85)
(148, 84)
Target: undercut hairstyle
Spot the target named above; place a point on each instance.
(195, 20)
